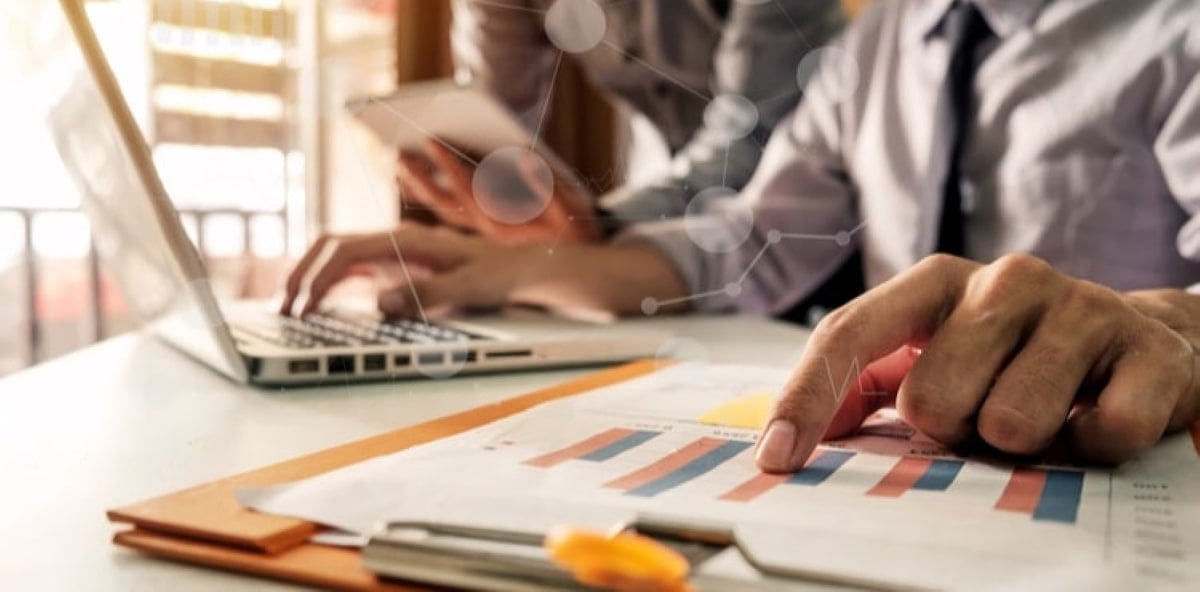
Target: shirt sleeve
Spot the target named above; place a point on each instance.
(757, 59)
(1177, 148)
(800, 208)
(501, 47)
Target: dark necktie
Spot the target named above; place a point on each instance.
(965, 30)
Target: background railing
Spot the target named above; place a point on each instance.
(56, 303)
(240, 101)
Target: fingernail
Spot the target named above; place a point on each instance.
(777, 445)
(391, 302)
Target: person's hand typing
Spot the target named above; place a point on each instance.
(464, 271)
(472, 273)
(1013, 352)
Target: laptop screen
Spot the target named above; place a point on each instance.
(136, 230)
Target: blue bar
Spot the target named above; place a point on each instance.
(1060, 497)
(630, 441)
(690, 471)
(939, 475)
(820, 470)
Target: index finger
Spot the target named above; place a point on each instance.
(292, 286)
(903, 310)
(335, 263)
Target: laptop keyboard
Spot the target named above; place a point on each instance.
(322, 330)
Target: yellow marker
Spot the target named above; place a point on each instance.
(624, 562)
(750, 412)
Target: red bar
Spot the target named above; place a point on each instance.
(901, 478)
(577, 450)
(755, 487)
(760, 484)
(1023, 491)
(665, 465)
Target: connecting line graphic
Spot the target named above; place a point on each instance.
(854, 372)
(424, 132)
(573, 219)
(409, 207)
(366, 177)
(626, 54)
(376, 199)
(725, 170)
(791, 21)
(734, 289)
(537, 133)
(511, 7)
(658, 71)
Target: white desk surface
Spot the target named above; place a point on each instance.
(130, 418)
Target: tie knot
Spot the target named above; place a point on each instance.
(965, 26)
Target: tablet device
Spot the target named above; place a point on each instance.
(466, 118)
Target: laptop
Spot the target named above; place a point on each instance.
(138, 234)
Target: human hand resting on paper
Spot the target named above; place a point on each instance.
(517, 197)
(1013, 352)
(471, 272)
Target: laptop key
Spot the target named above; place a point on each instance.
(322, 330)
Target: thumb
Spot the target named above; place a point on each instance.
(567, 205)
(875, 388)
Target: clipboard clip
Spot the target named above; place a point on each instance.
(648, 553)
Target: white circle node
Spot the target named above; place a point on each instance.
(506, 185)
(649, 307)
(732, 117)
(576, 26)
(717, 221)
(832, 69)
(451, 362)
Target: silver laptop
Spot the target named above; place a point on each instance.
(138, 233)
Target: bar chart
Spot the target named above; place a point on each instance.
(820, 467)
(924, 474)
(1045, 494)
(888, 501)
(597, 448)
(1042, 494)
(679, 467)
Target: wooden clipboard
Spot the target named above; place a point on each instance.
(205, 525)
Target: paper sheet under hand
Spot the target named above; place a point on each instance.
(886, 507)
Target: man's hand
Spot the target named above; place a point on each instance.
(1014, 352)
(469, 272)
(567, 216)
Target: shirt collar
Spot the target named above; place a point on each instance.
(1005, 17)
